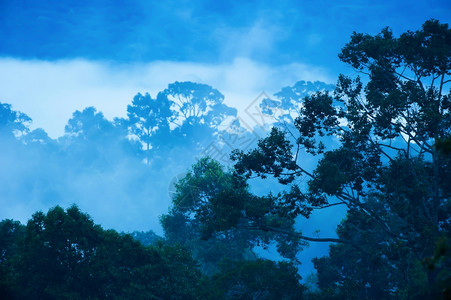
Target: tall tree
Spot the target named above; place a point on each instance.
(285, 107)
(186, 115)
(198, 110)
(213, 214)
(382, 164)
(148, 119)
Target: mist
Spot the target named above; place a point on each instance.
(50, 91)
(103, 166)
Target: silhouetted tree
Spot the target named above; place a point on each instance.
(12, 122)
(92, 140)
(148, 119)
(198, 110)
(382, 165)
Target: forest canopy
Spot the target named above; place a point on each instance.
(381, 143)
(378, 142)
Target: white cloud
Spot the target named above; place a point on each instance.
(49, 92)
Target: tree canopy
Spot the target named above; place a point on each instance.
(64, 255)
(375, 142)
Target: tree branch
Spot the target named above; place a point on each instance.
(310, 239)
(329, 205)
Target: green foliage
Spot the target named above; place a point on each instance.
(391, 177)
(256, 279)
(214, 196)
(64, 255)
(381, 152)
(206, 207)
(10, 235)
(216, 216)
(273, 156)
(444, 146)
(439, 264)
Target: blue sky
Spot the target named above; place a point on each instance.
(273, 32)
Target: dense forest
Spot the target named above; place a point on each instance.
(377, 144)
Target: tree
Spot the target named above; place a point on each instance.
(183, 118)
(63, 254)
(39, 137)
(285, 107)
(11, 233)
(90, 139)
(12, 122)
(382, 164)
(198, 110)
(195, 103)
(208, 217)
(146, 238)
(148, 119)
(257, 279)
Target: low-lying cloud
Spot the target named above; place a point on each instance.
(50, 91)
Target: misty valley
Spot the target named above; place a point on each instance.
(320, 191)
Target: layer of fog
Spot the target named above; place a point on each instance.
(126, 195)
(49, 92)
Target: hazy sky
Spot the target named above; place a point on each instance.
(59, 56)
